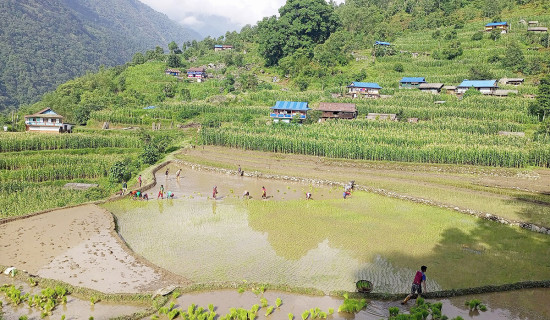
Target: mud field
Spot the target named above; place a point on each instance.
(78, 246)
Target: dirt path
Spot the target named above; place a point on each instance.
(79, 246)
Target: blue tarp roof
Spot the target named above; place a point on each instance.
(149, 107)
(218, 46)
(412, 79)
(371, 85)
(382, 43)
(492, 24)
(291, 105)
(478, 83)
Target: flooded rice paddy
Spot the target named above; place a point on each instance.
(517, 305)
(327, 243)
(75, 308)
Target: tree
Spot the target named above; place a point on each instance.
(480, 72)
(541, 106)
(138, 58)
(495, 34)
(174, 61)
(172, 46)
(302, 24)
(514, 58)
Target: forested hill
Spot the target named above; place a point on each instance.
(45, 43)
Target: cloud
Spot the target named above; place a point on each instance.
(238, 12)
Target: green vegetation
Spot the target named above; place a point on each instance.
(351, 305)
(475, 304)
(46, 301)
(35, 167)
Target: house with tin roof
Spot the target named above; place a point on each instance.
(434, 88)
(222, 47)
(483, 86)
(503, 26)
(411, 82)
(364, 89)
(337, 111)
(285, 111)
(46, 120)
(196, 73)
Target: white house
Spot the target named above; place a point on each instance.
(45, 121)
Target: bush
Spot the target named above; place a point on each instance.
(495, 34)
(398, 67)
(477, 36)
(119, 172)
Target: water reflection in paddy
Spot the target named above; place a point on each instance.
(328, 243)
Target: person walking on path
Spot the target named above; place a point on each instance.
(124, 187)
(214, 192)
(419, 283)
(139, 180)
(166, 174)
(239, 171)
(161, 192)
(178, 174)
(264, 193)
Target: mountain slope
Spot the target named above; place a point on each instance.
(45, 43)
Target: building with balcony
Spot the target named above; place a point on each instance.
(285, 111)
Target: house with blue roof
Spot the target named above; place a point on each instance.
(382, 43)
(411, 82)
(483, 86)
(285, 111)
(222, 47)
(364, 89)
(503, 26)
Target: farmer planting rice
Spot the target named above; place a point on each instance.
(418, 282)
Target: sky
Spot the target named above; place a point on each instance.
(215, 17)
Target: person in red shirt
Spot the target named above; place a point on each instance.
(419, 283)
(264, 193)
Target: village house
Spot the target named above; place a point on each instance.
(172, 72)
(222, 47)
(411, 82)
(196, 73)
(382, 43)
(46, 120)
(337, 111)
(511, 81)
(449, 89)
(503, 26)
(532, 23)
(364, 89)
(434, 88)
(285, 111)
(537, 29)
(483, 86)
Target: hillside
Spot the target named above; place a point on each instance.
(233, 104)
(45, 43)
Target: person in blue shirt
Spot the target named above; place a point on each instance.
(419, 283)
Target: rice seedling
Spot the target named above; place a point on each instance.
(278, 302)
(476, 304)
(290, 316)
(269, 311)
(305, 315)
(352, 305)
(263, 302)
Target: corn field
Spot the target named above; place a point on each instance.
(385, 141)
(30, 141)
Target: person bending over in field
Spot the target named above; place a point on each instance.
(418, 282)
(145, 196)
(246, 194)
(308, 195)
(161, 192)
(214, 192)
(169, 195)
